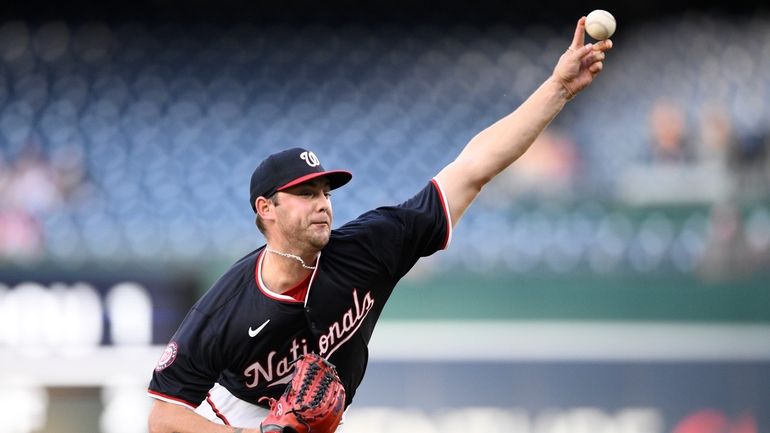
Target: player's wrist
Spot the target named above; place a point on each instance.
(561, 88)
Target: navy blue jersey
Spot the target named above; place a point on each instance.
(245, 337)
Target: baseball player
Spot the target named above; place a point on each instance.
(312, 289)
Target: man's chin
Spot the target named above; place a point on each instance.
(320, 241)
(320, 245)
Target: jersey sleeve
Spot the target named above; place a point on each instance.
(399, 235)
(190, 364)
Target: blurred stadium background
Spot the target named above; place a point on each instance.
(615, 280)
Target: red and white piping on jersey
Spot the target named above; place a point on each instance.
(216, 411)
(445, 205)
(170, 399)
(278, 296)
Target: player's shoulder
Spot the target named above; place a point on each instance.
(228, 288)
(393, 213)
(383, 221)
(362, 225)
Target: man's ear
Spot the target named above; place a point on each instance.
(264, 208)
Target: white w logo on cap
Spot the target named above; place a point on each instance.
(310, 159)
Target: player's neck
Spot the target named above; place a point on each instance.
(282, 270)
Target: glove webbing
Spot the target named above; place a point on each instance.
(323, 386)
(312, 370)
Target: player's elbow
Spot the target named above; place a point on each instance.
(155, 424)
(160, 420)
(476, 178)
(478, 170)
(470, 173)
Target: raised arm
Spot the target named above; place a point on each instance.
(499, 145)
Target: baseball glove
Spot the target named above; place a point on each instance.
(312, 403)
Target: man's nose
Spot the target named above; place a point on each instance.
(323, 201)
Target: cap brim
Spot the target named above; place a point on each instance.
(337, 178)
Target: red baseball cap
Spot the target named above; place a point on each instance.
(288, 168)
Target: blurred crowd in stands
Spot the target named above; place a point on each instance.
(712, 143)
(33, 184)
(729, 169)
(133, 142)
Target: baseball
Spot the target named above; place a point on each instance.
(600, 24)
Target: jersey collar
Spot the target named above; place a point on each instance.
(278, 296)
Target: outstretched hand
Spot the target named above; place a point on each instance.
(578, 66)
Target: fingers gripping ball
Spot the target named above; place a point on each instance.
(312, 403)
(600, 24)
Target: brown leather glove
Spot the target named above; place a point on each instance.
(312, 403)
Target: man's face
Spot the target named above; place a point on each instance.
(304, 214)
